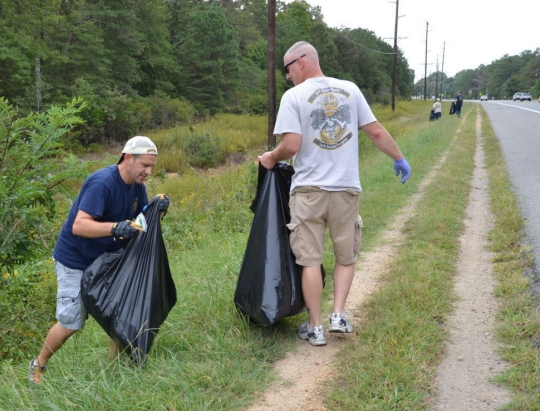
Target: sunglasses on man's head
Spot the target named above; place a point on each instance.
(286, 66)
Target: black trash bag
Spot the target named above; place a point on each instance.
(452, 108)
(432, 115)
(130, 292)
(269, 285)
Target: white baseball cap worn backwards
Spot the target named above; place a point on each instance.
(140, 145)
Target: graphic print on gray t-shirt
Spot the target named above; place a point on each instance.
(331, 118)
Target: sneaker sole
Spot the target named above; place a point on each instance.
(343, 330)
(315, 343)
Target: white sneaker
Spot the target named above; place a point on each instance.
(314, 336)
(339, 324)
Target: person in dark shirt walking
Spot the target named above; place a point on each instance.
(458, 103)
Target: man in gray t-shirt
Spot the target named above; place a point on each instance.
(318, 121)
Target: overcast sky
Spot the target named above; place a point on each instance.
(469, 32)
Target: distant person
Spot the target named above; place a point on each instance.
(318, 121)
(99, 221)
(458, 103)
(437, 110)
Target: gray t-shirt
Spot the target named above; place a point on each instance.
(327, 113)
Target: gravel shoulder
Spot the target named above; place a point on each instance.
(469, 360)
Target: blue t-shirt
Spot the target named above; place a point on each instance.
(106, 197)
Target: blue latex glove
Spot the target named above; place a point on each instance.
(404, 167)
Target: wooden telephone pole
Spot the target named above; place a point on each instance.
(442, 70)
(425, 65)
(394, 65)
(271, 56)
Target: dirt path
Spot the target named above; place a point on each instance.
(469, 361)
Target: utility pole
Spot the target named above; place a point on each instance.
(437, 78)
(425, 64)
(394, 65)
(442, 67)
(271, 56)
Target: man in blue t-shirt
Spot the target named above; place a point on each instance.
(99, 221)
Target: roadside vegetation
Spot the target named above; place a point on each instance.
(155, 64)
(518, 320)
(206, 357)
(143, 64)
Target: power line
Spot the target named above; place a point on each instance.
(367, 48)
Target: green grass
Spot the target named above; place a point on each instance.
(390, 365)
(205, 357)
(518, 320)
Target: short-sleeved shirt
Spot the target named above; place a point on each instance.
(106, 197)
(327, 113)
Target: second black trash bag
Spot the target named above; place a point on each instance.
(269, 284)
(130, 292)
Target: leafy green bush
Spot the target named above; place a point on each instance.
(33, 169)
(245, 103)
(203, 150)
(109, 116)
(27, 304)
(167, 112)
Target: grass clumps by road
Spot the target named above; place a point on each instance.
(518, 320)
(391, 363)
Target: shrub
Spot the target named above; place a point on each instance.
(32, 172)
(203, 150)
(28, 308)
(168, 112)
(110, 116)
(245, 103)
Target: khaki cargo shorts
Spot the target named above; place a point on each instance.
(312, 210)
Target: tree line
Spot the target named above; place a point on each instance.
(499, 80)
(143, 64)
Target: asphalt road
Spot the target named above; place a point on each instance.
(517, 126)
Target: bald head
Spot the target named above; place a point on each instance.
(302, 47)
(307, 59)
